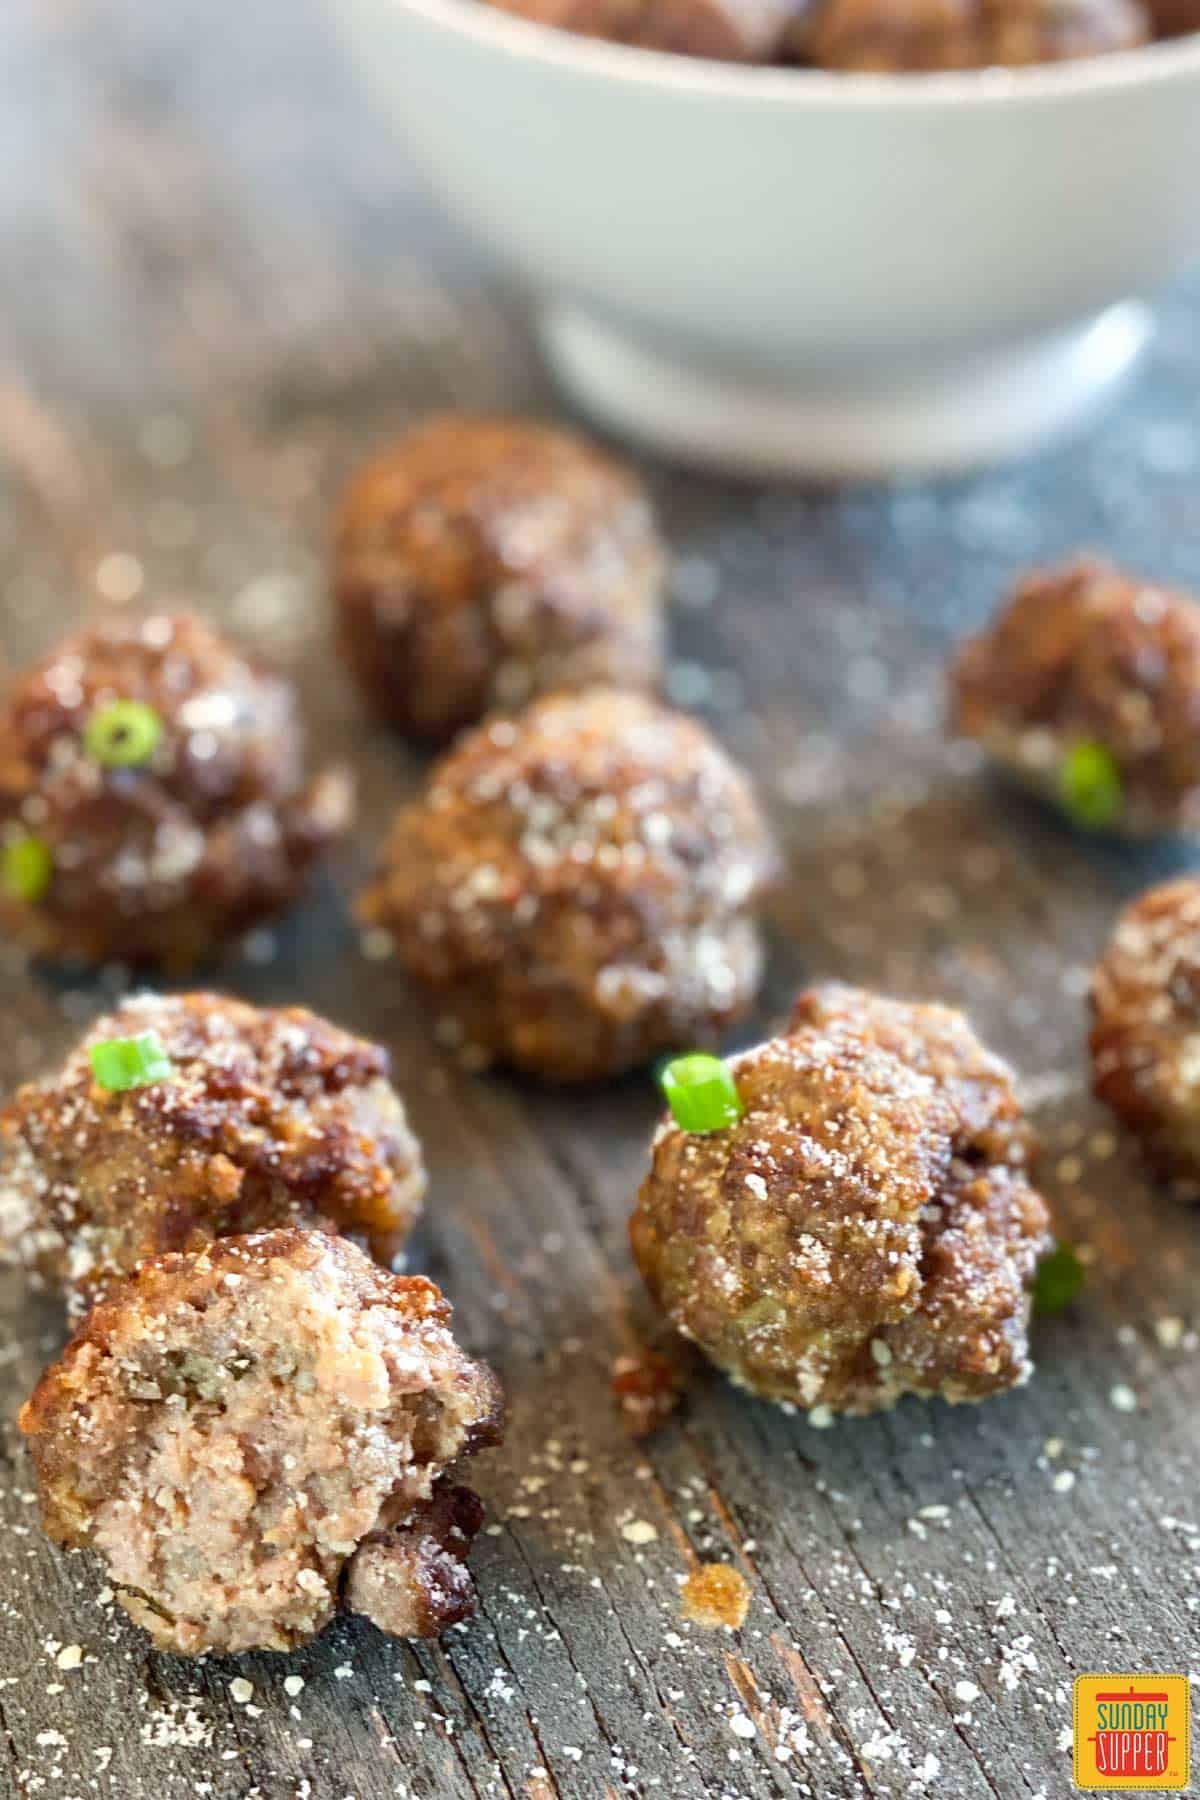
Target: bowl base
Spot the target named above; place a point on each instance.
(931, 419)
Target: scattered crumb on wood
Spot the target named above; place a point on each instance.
(648, 1388)
(715, 1594)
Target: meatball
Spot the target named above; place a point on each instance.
(482, 561)
(723, 30)
(911, 35)
(152, 799)
(228, 1427)
(576, 890)
(1145, 1033)
(265, 1118)
(1175, 18)
(866, 1229)
(1087, 687)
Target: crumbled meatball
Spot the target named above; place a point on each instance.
(1087, 657)
(228, 1426)
(271, 1117)
(866, 1229)
(413, 1579)
(208, 828)
(647, 1388)
(479, 562)
(576, 890)
(1145, 1035)
(912, 35)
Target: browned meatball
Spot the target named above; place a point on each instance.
(152, 796)
(1145, 1036)
(1175, 18)
(482, 561)
(267, 1118)
(227, 1427)
(1087, 687)
(724, 30)
(576, 890)
(912, 35)
(866, 1229)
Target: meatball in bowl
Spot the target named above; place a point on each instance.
(911, 36)
(928, 252)
(846, 1216)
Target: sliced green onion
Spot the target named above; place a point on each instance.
(700, 1092)
(1089, 786)
(123, 735)
(26, 867)
(122, 1063)
(1058, 1280)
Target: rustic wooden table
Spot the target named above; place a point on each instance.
(220, 287)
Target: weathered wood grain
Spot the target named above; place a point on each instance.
(219, 288)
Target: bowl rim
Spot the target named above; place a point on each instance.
(1150, 65)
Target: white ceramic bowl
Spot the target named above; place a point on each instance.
(786, 270)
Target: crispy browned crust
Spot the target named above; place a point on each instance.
(986, 1122)
(480, 561)
(576, 890)
(914, 35)
(160, 863)
(1086, 654)
(413, 1579)
(227, 1427)
(273, 1116)
(1145, 1031)
(866, 1229)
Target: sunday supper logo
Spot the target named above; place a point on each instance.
(1131, 1732)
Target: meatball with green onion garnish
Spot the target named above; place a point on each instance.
(153, 799)
(577, 890)
(1145, 1028)
(480, 562)
(184, 1118)
(1086, 687)
(254, 1437)
(843, 1215)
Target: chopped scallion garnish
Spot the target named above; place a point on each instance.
(122, 1063)
(701, 1093)
(1058, 1280)
(1089, 786)
(26, 867)
(123, 735)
